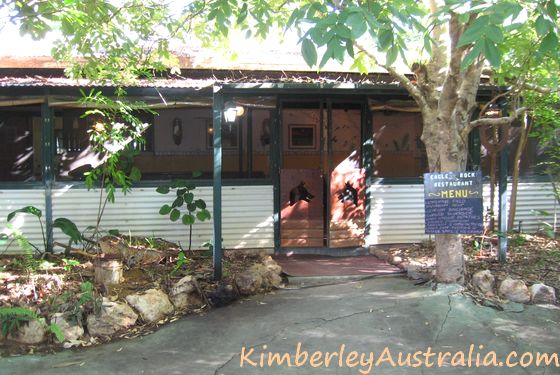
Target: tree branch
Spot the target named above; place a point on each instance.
(497, 121)
(400, 77)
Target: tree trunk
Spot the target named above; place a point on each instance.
(446, 152)
(523, 137)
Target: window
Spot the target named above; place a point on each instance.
(398, 150)
(21, 149)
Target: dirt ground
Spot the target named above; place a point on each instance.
(59, 283)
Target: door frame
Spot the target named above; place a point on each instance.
(325, 106)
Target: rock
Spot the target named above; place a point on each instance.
(249, 282)
(514, 290)
(418, 271)
(544, 294)
(181, 293)
(71, 329)
(396, 260)
(114, 317)
(153, 304)
(32, 333)
(381, 254)
(223, 295)
(272, 266)
(484, 281)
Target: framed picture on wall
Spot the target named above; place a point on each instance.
(230, 135)
(302, 137)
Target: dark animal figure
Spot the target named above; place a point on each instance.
(349, 194)
(300, 193)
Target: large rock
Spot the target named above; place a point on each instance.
(514, 290)
(32, 333)
(418, 271)
(181, 294)
(70, 328)
(249, 282)
(541, 293)
(153, 304)
(484, 282)
(114, 316)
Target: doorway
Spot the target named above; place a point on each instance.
(322, 182)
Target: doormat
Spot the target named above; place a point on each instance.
(302, 265)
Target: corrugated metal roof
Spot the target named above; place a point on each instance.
(39, 81)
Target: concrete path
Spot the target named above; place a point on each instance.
(365, 316)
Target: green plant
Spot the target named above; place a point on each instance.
(517, 240)
(65, 225)
(56, 331)
(86, 293)
(182, 262)
(11, 318)
(209, 249)
(184, 205)
(547, 227)
(115, 135)
(69, 264)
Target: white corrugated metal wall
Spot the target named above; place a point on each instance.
(13, 199)
(246, 215)
(397, 213)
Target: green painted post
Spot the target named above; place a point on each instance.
(275, 165)
(218, 108)
(367, 160)
(503, 209)
(47, 137)
(249, 143)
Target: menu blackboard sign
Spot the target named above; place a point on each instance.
(453, 203)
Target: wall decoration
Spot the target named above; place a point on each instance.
(302, 136)
(177, 131)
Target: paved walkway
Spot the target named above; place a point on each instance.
(365, 316)
(303, 265)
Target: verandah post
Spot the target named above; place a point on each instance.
(217, 108)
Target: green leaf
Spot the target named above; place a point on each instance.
(392, 54)
(472, 55)
(542, 25)
(492, 53)
(135, 174)
(163, 189)
(189, 197)
(357, 24)
(26, 210)
(196, 174)
(181, 192)
(56, 331)
(201, 215)
(200, 204)
(191, 207)
(385, 38)
(68, 228)
(309, 52)
(549, 43)
(474, 32)
(175, 214)
(188, 219)
(114, 232)
(165, 209)
(178, 202)
(495, 34)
